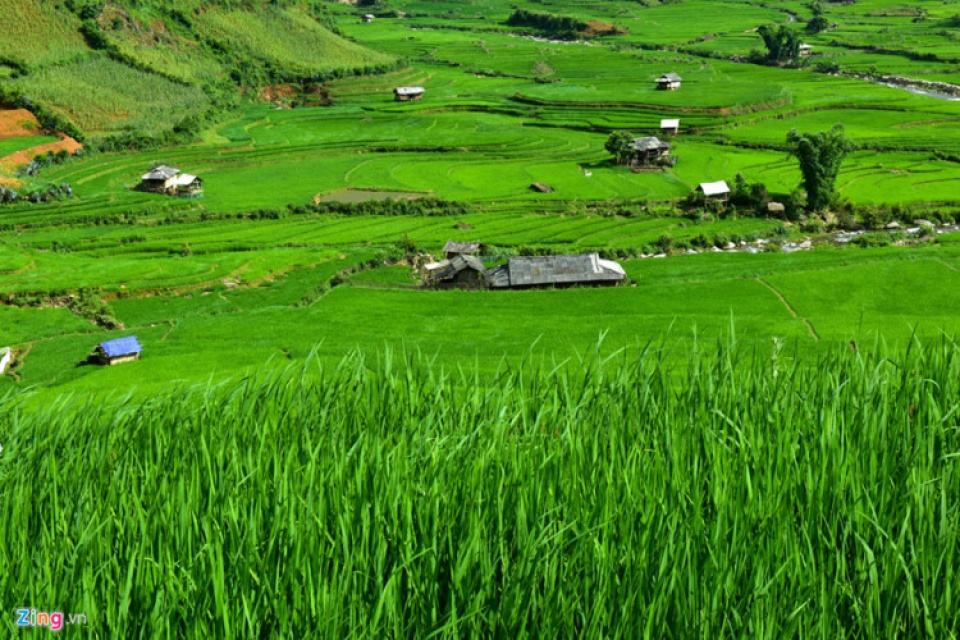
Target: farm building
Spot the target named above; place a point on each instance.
(671, 126)
(403, 94)
(170, 181)
(368, 17)
(556, 271)
(806, 49)
(714, 190)
(461, 271)
(451, 248)
(118, 351)
(6, 355)
(650, 149)
(668, 82)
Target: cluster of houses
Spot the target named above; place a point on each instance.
(461, 269)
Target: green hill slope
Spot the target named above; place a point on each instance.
(142, 68)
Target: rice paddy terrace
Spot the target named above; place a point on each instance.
(289, 285)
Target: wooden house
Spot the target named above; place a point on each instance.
(669, 82)
(117, 351)
(405, 94)
(670, 126)
(451, 248)
(528, 272)
(649, 150)
(169, 181)
(714, 190)
(460, 271)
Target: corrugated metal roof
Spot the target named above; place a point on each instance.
(461, 247)
(185, 179)
(669, 77)
(408, 91)
(650, 143)
(669, 124)
(121, 347)
(714, 188)
(446, 269)
(547, 270)
(163, 172)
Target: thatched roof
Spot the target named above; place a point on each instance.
(534, 271)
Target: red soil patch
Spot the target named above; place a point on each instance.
(14, 160)
(17, 123)
(600, 28)
(277, 92)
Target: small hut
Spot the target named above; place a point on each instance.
(118, 351)
(368, 17)
(714, 190)
(649, 150)
(452, 248)
(405, 94)
(668, 82)
(776, 208)
(169, 181)
(805, 49)
(670, 127)
(460, 271)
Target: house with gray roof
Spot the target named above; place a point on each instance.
(460, 271)
(451, 248)
(526, 272)
(650, 149)
(170, 181)
(669, 82)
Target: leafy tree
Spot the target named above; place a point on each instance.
(818, 22)
(782, 44)
(620, 144)
(820, 155)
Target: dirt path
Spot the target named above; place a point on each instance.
(793, 312)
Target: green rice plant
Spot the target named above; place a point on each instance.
(736, 494)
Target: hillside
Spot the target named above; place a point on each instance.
(147, 68)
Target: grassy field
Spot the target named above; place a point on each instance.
(735, 494)
(732, 444)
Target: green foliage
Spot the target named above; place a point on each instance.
(820, 156)
(783, 43)
(819, 21)
(620, 145)
(562, 27)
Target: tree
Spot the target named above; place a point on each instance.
(782, 44)
(818, 22)
(820, 155)
(620, 144)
